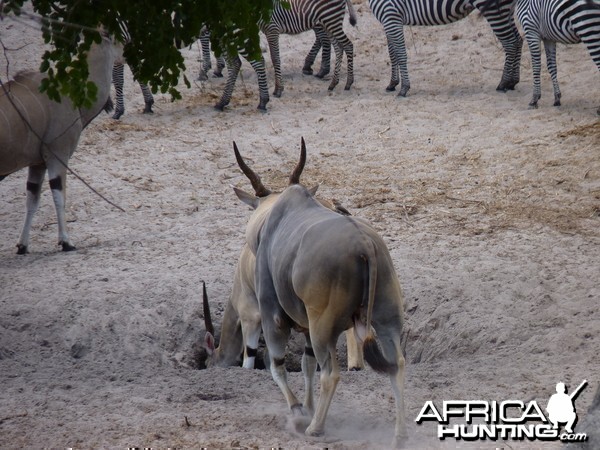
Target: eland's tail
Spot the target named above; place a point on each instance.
(372, 352)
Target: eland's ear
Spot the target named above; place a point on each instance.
(209, 343)
(313, 190)
(248, 199)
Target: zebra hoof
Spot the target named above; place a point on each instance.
(219, 107)
(533, 105)
(148, 107)
(217, 75)
(277, 92)
(557, 103)
(307, 70)
(403, 92)
(202, 76)
(391, 87)
(322, 74)
(21, 249)
(66, 247)
(118, 113)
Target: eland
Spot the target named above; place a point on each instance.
(322, 273)
(42, 134)
(241, 326)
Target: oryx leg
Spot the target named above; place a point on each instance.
(57, 176)
(34, 189)
(355, 355)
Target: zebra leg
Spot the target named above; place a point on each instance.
(263, 88)
(218, 73)
(592, 42)
(118, 81)
(533, 41)
(205, 45)
(234, 67)
(394, 31)
(325, 55)
(342, 45)
(34, 189)
(272, 34)
(503, 25)
(312, 53)
(148, 98)
(550, 48)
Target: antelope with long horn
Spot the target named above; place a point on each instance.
(41, 134)
(241, 326)
(324, 273)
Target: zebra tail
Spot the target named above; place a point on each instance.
(351, 13)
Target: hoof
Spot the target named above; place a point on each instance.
(202, 76)
(277, 92)
(307, 70)
(21, 249)
(118, 113)
(400, 441)
(311, 431)
(219, 107)
(66, 247)
(322, 74)
(217, 75)
(148, 108)
(533, 105)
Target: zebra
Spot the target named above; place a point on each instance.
(233, 67)
(118, 82)
(298, 16)
(322, 41)
(206, 63)
(552, 21)
(394, 14)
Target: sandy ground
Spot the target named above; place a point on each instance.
(491, 213)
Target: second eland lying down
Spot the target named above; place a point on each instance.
(41, 134)
(323, 273)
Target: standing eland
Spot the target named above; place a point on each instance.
(322, 273)
(41, 134)
(241, 326)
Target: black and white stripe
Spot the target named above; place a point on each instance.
(206, 64)
(394, 14)
(562, 21)
(304, 15)
(118, 82)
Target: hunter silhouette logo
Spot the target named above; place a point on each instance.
(560, 406)
(508, 419)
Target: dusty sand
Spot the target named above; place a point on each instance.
(491, 213)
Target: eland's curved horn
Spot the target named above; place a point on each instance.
(295, 176)
(206, 308)
(259, 187)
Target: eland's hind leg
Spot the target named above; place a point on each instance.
(324, 349)
(389, 336)
(34, 189)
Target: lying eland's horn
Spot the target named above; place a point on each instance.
(295, 176)
(259, 187)
(207, 320)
